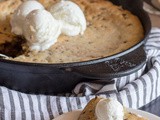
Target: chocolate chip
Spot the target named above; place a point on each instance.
(125, 42)
(103, 8)
(5, 29)
(14, 48)
(130, 24)
(90, 111)
(124, 16)
(83, 112)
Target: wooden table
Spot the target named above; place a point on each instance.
(155, 20)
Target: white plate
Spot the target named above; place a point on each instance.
(75, 114)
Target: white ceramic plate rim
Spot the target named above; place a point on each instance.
(74, 115)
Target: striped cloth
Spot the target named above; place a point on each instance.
(133, 91)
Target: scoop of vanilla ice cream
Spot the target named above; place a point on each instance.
(41, 30)
(20, 14)
(71, 16)
(109, 109)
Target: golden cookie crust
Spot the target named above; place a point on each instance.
(7, 7)
(89, 111)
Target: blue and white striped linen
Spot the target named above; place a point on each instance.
(133, 91)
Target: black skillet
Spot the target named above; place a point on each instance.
(61, 78)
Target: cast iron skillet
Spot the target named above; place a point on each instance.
(61, 78)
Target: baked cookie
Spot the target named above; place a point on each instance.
(110, 30)
(89, 112)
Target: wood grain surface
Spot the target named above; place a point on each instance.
(155, 20)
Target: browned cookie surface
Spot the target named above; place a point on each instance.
(110, 30)
(89, 111)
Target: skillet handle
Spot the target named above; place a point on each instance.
(113, 68)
